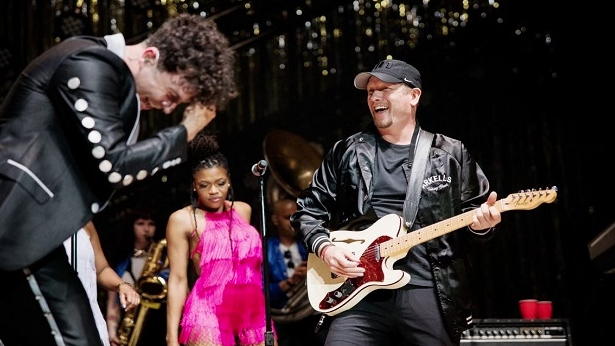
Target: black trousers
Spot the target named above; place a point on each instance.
(408, 316)
(22, 320)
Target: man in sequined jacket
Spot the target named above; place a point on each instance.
(365, 178)
(68, 140)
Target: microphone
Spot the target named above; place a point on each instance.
(259, 168)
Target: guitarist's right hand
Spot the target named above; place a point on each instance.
(342, 262)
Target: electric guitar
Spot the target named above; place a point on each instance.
(381, 245)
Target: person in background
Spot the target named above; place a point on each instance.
(226, 304)
(69, 139)
(295, 319)
(87, 257)
(133, 251)
(369, 175)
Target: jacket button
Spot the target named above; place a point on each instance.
(94, 207)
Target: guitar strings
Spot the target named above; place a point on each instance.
(456, 222)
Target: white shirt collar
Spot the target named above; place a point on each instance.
(117, 44)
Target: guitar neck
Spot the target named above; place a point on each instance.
(407, 241)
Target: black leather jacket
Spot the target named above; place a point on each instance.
(340, 192)
(68, 131)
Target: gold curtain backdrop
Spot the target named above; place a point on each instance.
(496, 74)
(300, 48)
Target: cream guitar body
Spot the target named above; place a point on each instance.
(381, 245)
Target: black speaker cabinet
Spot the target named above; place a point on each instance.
(515, 332)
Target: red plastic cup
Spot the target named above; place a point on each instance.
(528, 308)
(544, 309)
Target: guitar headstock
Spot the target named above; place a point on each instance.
(528, 199)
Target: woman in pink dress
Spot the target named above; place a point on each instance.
(226, 305)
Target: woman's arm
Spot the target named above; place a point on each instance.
(106, 276)
(178, 231)
(113, 317)
(108, 279)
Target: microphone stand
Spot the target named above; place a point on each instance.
(269, 337)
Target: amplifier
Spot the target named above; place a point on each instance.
(515, 332)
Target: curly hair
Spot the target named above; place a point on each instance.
(193, 46)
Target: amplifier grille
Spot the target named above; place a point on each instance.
(509, 332)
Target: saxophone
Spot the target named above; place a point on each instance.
(153, 289)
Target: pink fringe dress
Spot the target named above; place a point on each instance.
(226, 305)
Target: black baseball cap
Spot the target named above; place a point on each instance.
(390, 71)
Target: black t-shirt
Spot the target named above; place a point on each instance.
(389, 192)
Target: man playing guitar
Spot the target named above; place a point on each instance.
(370, 175)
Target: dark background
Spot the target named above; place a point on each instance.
(519, 82)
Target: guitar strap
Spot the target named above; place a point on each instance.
(413, 192)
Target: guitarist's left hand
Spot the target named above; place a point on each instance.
(342, 262)
(486, 216)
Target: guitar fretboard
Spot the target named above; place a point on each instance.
(405, 242)
(516, 201)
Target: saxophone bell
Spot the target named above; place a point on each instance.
(153, 287)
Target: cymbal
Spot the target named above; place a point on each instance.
(292, 160)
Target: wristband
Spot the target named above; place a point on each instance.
(322, 252)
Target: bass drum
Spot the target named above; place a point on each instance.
(292, 161)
